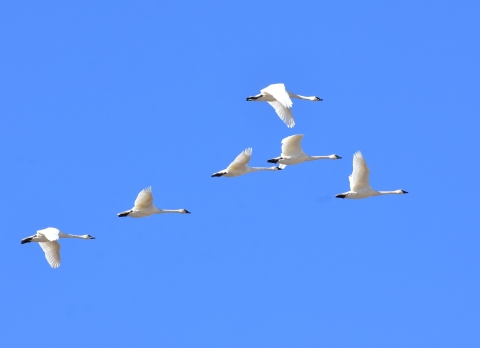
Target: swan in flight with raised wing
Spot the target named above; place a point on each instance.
(292, 152)
(143, 206)
(279, 98)
(359, 182)
(239, 166)
(48, 240)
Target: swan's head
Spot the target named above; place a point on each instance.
(334, 157)
(87, 236)
(401, 192)
(185, 211)
(317, 99)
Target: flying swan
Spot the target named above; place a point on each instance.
(143, 206)
(359, 182)
(239, 166)
(279, 98)
(48, 240)
(292, 152)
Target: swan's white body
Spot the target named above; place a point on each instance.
(279, 98)
(292, 152)
(48, 241)
(360, 183)
(143, 206)
(239, 166)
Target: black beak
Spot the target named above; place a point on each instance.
(187, 212)
(319, 99)
(340, 196)
(338, 157)
(404, 191)
(92, 237)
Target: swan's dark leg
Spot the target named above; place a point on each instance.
(217, 175)
(255, 97)
(341, 196)
(125, 213)
(27, 240)
(273, 160)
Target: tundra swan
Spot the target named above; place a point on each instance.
(292, 152)
(359, 182)
(48, 240)
(239, 166)
(279, 98)
(143, 206)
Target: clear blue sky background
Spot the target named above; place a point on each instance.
(101, 99)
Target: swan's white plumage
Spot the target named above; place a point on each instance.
(240, 166)
(279, 92)
(241, 161)
(144, 198)
(360, 183)
(359, 179)
(51, 233)
(291, 145)
(48, 241)
(284, 113)
(281, 100)
(143, 206)
(52, 252)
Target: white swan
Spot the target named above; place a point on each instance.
(143, 206)
(48, 240)
(239, 166)
(279, 98)
(359, 182)
(292, 152)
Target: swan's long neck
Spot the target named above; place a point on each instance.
(66, 235)
(388, 193)
(297, 96)
(257, 169)
(313, 158)
(162, 211)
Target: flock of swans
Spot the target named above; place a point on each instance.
(292, 153)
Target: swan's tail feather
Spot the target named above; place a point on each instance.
(125, 213)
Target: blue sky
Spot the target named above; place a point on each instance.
(100, 100)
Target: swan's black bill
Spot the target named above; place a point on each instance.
(319, 99)
(404, 191)
(90, 237)
(124, 214)
(27, 240)
(340, 196)
(338, 157)
(278, 168)
(217, 175)
(186, 211)
(273, 160)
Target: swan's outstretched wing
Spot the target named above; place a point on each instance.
(241, 161)
(144, 198)
(284, 113)
(291, 145)
(52, 253)
(359, 177)
(51, 233)
(280, 94)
